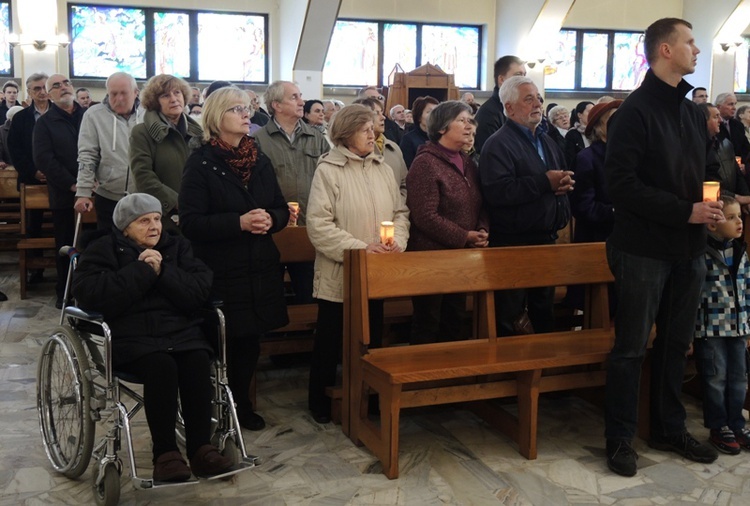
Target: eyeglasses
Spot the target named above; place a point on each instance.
(60, 84)
(240, 110)
(380, 98)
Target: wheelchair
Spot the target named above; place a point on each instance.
(77, 389)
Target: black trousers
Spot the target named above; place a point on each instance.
(437, 318)
(301, 278)
(164, 375)
(243, 350)
(329, 339)
(105, 208)
(64, 231)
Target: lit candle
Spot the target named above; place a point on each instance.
(711, 191)
(387, 233)
(293, 206)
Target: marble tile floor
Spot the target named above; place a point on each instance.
(448, 456)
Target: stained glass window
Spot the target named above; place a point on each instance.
(6, 57)
(455, 49)
(105, 40)
(560, 72)
(741, 57)
(355, 57)
(172, 43)
(352, 58)
(594, 60)
(148, 41)
(629, 61)
(399, 47)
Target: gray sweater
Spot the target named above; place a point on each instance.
(103, 159)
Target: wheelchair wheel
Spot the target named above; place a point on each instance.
(63, 403)
(107, 493)
(232, 451)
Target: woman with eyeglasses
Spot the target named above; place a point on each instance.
(159, 145)
(230, 204)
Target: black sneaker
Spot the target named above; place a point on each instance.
(251, 420)
(687, 446)
(621, 457)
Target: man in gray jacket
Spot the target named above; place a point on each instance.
(294, 148)
(103, 163)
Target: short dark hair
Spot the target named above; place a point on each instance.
(82, 89)
(309, 103)
(10, 84)
(443, 115)
(580, 108)
(418, 107)
(704, 108)
(503, 64)
(696, 90)
(660, 31)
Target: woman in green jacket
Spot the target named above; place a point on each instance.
(159, 145)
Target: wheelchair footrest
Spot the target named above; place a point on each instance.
(247, 463)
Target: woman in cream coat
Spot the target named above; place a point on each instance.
(352, 192)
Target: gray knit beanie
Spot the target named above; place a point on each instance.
(133, 206)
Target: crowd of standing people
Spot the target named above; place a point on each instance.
(190, 186)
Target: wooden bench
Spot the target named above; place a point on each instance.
(479, 369)
(34, 197)
(297, 336)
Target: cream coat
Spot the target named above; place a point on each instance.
(349, 197)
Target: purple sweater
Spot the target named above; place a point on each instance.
(444, 204)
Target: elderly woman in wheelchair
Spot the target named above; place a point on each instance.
(148, 287)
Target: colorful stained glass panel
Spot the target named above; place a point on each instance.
(560, 70)
(399, 47)
(172, 43)
(5, 53)
(105, 40)
(352, 58)
(740, 67)
(231, 47)
(455, 49)
(594, 60)
(629, 61)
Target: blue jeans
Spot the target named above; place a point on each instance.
(723, 368)
(650, 291)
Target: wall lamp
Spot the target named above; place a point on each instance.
(60, 40)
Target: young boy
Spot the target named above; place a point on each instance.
(722, 330)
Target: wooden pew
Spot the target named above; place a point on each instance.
(294, 246)
(33, 197)
(479, 369)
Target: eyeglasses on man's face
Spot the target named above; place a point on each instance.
(60, 84)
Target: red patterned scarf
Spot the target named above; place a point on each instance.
(240, 159)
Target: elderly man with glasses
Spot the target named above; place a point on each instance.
(55, 144)
(21, 152)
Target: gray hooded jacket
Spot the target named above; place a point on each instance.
(103, 160)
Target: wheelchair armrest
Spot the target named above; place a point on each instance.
(79, 313)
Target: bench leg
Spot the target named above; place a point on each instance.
(22, 271)
(390, 414)
(528, 412)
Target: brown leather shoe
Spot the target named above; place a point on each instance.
(170, 466)
(207, 461)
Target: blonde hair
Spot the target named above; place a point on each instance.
(215, 107)
(158, 86)
(349, 120)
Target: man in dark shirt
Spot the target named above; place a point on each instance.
(55, 145)
(655, 166)
(490, 116)
(525, 186)
(730, 127)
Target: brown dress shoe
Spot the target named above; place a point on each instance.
(170, 466)
(207, 461)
